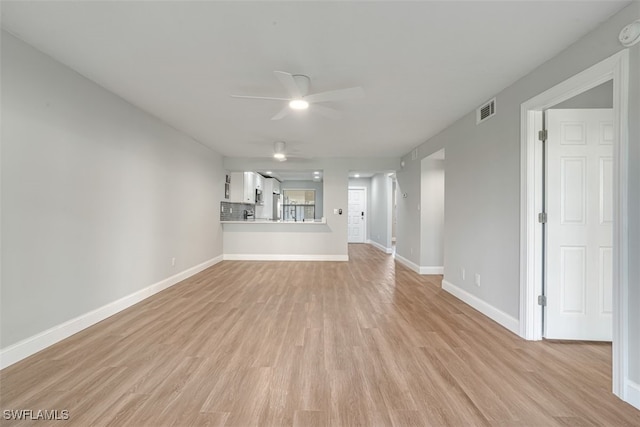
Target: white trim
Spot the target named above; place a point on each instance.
(366, 211)
(409, 264)
(632, 393)
(389, 188)
(28, 346)
(499, 316)
(415, 267)
(614, 68)
(284, 257)
(379, 246)
(432, 269)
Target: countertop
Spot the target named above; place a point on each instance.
(269, 221)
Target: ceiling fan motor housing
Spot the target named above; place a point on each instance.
(302, 82)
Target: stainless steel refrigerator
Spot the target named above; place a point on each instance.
(277, 207)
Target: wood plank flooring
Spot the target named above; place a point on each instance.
(365, 342)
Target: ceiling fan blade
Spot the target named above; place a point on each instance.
(283, 113)
(268, 98)
(326, 111)
(289, 83)
(336, 95)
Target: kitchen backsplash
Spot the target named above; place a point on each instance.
(238, 209)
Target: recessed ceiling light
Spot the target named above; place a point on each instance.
(357, 175)
(299, 104)
(280, 156)
(268, 172)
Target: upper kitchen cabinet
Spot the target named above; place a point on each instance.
(243, 187)
(259, 182)
(276, 186)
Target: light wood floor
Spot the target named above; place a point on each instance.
(364, 342)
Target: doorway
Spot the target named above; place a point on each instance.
(356, 215)
(614, 68)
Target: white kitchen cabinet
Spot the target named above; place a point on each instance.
(243, 187)
(259, 182)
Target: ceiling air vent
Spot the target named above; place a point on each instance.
(485, 111)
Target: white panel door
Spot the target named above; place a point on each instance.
(356, 215)
(579, 228)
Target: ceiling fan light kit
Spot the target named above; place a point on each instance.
(298, 104)
(279, 151)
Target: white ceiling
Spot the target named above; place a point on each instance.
(422, 65)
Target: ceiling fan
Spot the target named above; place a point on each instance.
(282, 153)
(297, 86)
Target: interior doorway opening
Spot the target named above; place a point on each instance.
(373, 218)
(432, 194)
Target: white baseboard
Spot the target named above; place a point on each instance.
(502, 318)
(25, 348)
(632, 393)
(415, 267)
(432, 270)
(381, 247)
(410, 264)
(284, 257)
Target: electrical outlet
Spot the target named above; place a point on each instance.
(173, 261)
(411, 251)
(463, 273)
(477, 279)
(221, 208)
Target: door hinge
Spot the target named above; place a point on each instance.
(542, 300)
(542, 135)
(542, 217)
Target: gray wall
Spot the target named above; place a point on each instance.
(97, 196)
(600, 96)
(381, 210)
(482, 187)
(432, 213)
(408, 198)
(308, 185)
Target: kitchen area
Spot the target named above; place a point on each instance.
(276, 197)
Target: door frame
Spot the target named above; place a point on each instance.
(366, 211)
(615, 68)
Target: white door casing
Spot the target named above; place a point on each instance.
(579, 228)
(616, 68)
(356, 215)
